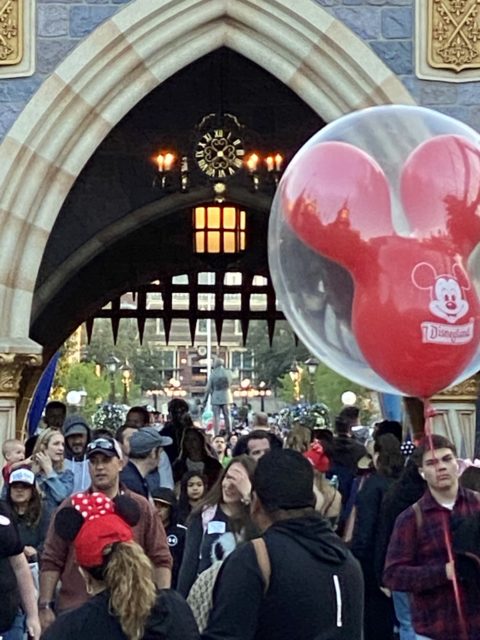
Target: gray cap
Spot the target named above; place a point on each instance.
(75, 425)
(147, 439)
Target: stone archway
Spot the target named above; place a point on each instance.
(302, 45)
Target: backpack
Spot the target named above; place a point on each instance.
(200, 597)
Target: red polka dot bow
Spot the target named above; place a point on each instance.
(92, 505)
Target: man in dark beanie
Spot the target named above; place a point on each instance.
(298, 580)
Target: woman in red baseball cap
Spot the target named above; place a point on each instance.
(119, 576)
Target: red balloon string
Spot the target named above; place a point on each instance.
(428, 414)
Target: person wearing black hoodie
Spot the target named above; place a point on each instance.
(314, 588)
(345, 452)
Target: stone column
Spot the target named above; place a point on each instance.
(14, 358)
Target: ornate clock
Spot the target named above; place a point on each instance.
(219, 153)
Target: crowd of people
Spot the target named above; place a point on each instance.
(162, 531)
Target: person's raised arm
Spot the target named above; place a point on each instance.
(28, 593)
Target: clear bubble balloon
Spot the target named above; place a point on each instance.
(373, 248)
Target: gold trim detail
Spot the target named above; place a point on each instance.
(466, 389)
(11, 32)
(11, 368)
(454, 34)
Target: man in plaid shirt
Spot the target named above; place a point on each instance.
(418, 558)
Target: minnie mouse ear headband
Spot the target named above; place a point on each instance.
(95, 522)
(317, 457)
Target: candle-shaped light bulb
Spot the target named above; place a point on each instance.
(252, 162)
(169, 160)
(269, 161)
(160, 159)
(184, 164)
(278, 162)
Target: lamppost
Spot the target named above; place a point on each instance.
(173, 388)
(262, 392)
(244, 389)
(312, 366)
(126, 379)
(112, 365)
(76, 398)
(295, 374)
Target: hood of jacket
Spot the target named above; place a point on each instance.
(347, 451)
(71, 425)
(314, 534)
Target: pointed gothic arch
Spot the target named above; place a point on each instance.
(302, 45)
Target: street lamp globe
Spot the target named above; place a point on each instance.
(349, 398)
(312, 365)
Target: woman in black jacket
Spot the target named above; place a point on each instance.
(225, 509)
(388, 462)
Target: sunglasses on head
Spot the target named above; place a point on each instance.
(101, 443)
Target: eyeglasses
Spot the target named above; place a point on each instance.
(101, 443)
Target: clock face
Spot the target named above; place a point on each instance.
(219, 153)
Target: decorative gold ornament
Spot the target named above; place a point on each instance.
(219, 153)
(454, 34)
(466, 389)
(11, 31)
(11, 368)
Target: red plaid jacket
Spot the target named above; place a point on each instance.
(415, 562)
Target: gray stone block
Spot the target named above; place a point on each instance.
(414, 86)
(437, 93)
(396, 55)
(474, 118)
(19, 90)
(397, 23)
(469, 94)
(363, 21)
(84, 19)
(328, 3)
(8, 114)
(391, 3)
(50, 52)
(460, 113)
(53, 20)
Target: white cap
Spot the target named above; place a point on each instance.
(22, 475)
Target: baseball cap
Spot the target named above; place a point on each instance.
(22, 475)
(107, 446)
(145, 440)
(165, 495)
(75, 425)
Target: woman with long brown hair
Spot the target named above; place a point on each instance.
(124, 603)
(224, 510)
(196, 456)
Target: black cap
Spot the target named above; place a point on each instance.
(163, 494)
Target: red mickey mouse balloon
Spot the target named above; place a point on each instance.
(385, 227)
